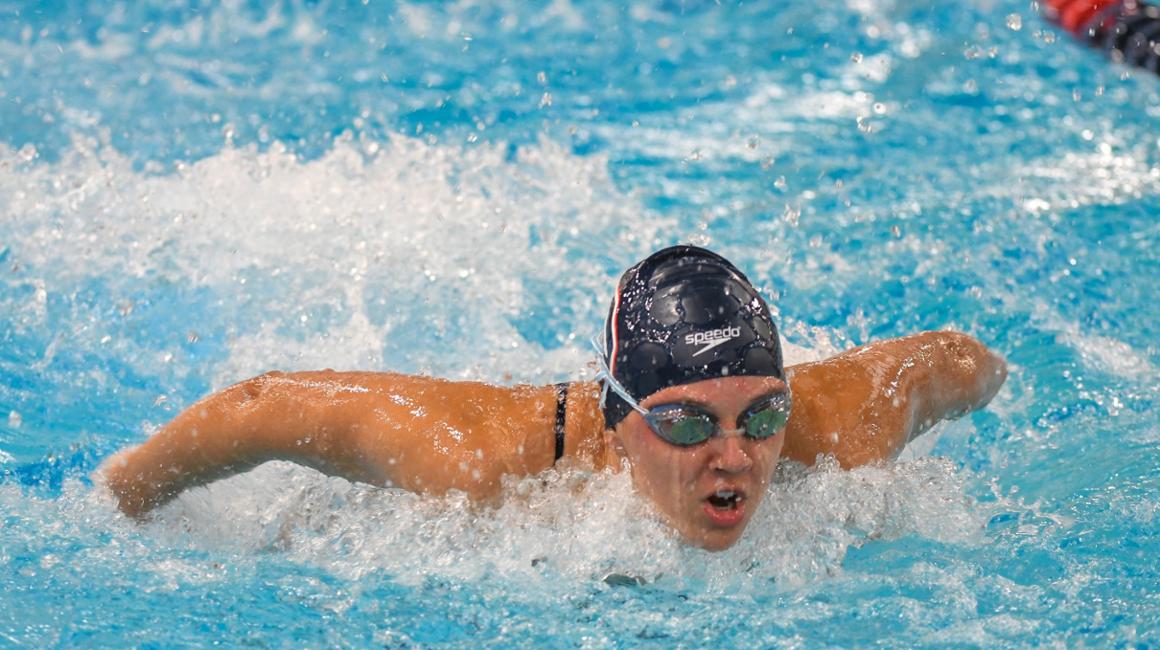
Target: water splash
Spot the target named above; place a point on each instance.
(397, 254)
(568, 524)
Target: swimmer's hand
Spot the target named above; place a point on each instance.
(865, 404)
(419, 433)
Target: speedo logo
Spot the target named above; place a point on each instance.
(712, 338)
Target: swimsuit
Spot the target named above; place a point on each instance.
(561, 411)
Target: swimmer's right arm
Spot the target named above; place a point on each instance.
(418, 433)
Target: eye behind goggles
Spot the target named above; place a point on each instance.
(685, 425)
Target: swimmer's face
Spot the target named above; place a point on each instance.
(708, 492)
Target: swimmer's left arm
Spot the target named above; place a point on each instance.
(867, 403)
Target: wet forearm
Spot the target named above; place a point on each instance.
(272, 417)
(958, 374)
(867, 403)
(206, 442)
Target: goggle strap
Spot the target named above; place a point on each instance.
(607, 381)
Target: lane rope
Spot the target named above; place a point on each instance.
(1127, 30)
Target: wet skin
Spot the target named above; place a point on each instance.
(432, 436)
(707, 492)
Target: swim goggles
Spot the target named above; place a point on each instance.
(685, 425)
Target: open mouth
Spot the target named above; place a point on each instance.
(725, 499)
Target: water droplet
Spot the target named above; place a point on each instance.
(1014, 22)
(545, 100)
(791, 215)
(15, 420)
(856, 57)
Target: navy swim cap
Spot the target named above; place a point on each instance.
(683, 315)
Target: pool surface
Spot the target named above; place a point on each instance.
(194, 193)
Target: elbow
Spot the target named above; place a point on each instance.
(253, 389)
(990, 371)
(976, 366)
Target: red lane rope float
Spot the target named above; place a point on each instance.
(1074, 15)
(1128, 30)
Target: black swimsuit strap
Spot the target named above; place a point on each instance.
(561, 411)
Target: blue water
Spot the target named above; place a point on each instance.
(191, 194)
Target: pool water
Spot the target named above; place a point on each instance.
(191, 194)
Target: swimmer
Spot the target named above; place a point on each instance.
(692, 399)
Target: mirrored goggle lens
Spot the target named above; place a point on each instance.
(681, 425)
(766, 420)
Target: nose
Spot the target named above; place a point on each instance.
(730, 454)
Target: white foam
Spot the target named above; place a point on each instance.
(1097, 352)
(1115, 173)
(1110, 355)
(397, 253)
(569, 524)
